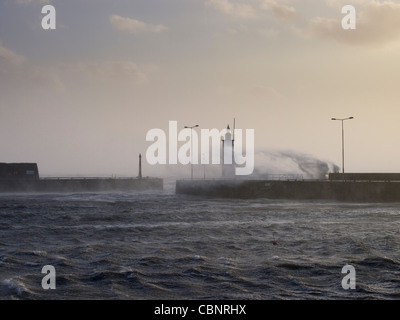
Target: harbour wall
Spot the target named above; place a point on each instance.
(80, 185)
(355, 191)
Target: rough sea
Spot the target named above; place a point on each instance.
(159, 245)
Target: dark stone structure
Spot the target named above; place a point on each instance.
(19, 171)
(365, 176)
(24, 177)
(70, 185)
(353, 191)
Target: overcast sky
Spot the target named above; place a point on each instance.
(80, 99)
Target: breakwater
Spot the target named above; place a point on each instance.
(80, 184)
(355, 191)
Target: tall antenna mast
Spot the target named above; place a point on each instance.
(233, 134)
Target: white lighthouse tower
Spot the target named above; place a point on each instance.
(228, 167)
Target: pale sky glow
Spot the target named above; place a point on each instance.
(80, 99)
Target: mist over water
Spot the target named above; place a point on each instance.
(291, 162)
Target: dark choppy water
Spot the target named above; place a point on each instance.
(163, 246)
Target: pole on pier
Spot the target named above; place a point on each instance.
(140, 166)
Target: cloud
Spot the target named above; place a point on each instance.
(9, 59)
(237, 10)
(341, 3)
(135, 26)
(32, 1)
(265, 92)
(47, 79)
(281, 11)
(378, 23)
(16, 71)
(121, 73)
(118, 70)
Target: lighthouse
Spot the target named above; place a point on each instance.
(228, 167)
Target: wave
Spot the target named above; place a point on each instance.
(14, 287)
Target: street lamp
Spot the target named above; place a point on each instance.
(343, 141)
(191, 148)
